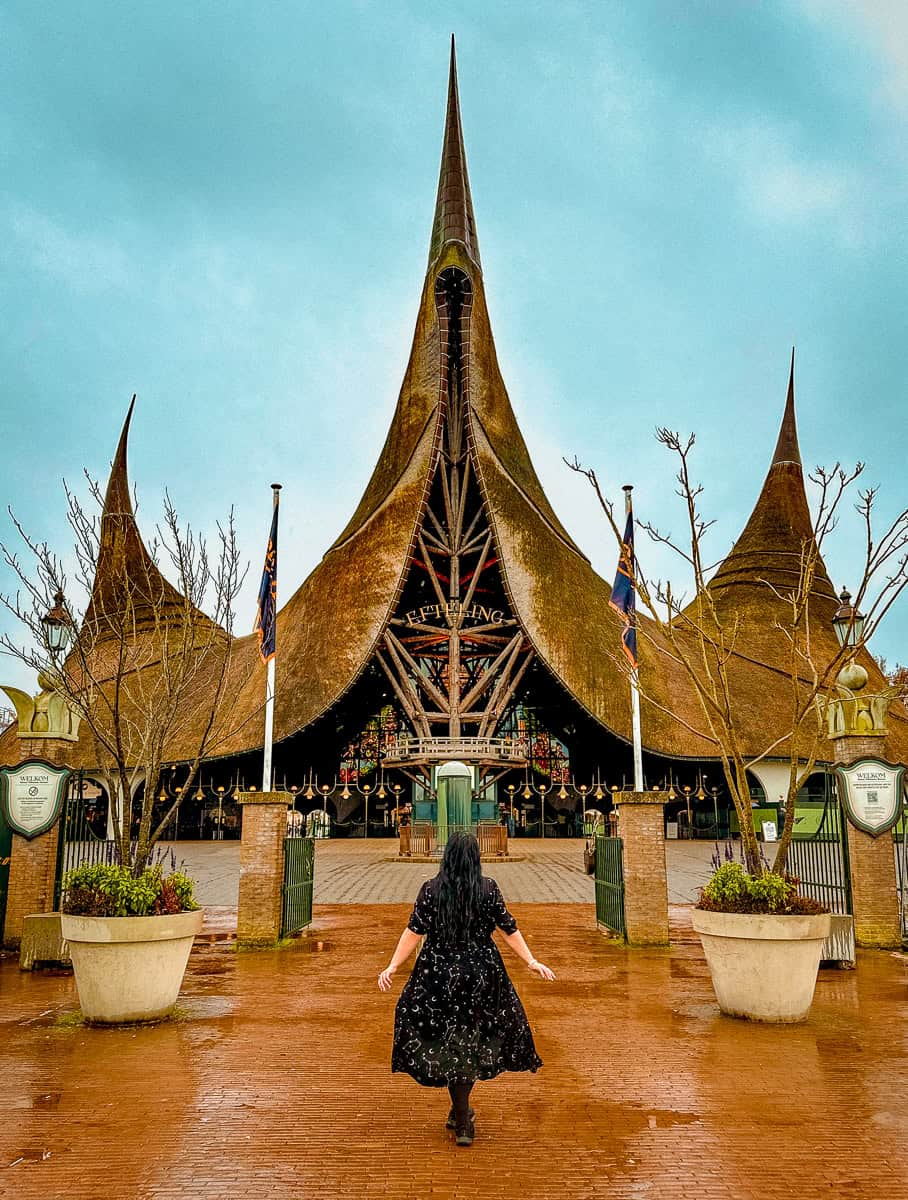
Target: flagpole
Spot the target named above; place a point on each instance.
(269, 680)
(635, 677)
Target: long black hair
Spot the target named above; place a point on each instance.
(458, 889)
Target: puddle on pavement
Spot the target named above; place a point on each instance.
(688, 969)
(310, 946)
(696, 1012)
(211, 968)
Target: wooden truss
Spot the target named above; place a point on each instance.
(455, 663)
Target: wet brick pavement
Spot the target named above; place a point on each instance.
(274, 1083)
(368, 871)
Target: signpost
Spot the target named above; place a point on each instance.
(872, 794)
(31, 796)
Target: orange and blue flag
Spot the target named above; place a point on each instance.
(266, 617)
(624, 596)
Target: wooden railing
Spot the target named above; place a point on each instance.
(442, 749)
(423, 840)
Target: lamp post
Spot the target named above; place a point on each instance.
(58, 626)
(848, 623)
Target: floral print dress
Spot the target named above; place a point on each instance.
(458, 1017)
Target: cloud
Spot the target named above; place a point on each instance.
(83, 262)
(883, 25)
(780, 186)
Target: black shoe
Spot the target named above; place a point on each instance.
(451, 1122)
(464, 1132)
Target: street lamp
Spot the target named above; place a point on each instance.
(848, 623)
(57, 626)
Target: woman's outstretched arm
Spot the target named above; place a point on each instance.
(516, 941)
(405, 947)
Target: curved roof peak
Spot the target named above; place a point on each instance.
(117, 498)
(127, 579)
(454, 220)
(787, 449)
(769, 550)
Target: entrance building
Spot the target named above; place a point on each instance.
(453, 657)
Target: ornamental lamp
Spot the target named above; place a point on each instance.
(57, 626)
(848, 623)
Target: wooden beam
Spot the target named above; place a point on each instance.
(398, 650)
(414, 711)
(471, 590)
(497, 705)
(488, 674)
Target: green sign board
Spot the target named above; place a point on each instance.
(31, 796)
(872, 794)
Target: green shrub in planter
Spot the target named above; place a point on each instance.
(732, 890)
(108, 890)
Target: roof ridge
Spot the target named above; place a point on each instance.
(780, 523)
(122, 553)
(787, 448)
(454, 220)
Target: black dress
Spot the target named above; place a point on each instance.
(458, 1017)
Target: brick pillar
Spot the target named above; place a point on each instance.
(261, 867)
(33, 863)
(641, 827)
(874, 893)
(32, 875)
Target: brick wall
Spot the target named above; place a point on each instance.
(642, 829)
(873, 882)
(261, 867)
(33, 864)
(873, 889)
(32, 874)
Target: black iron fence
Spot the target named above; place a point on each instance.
(818, 855)
(299, 877)
(79, 844)
(900, 854)
(609, 879)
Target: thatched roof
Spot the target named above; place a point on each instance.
(329, 629)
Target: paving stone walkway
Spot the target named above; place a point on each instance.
(274, 1082)
(368, 871)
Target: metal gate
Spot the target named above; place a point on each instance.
(296, 893)
(820, 861)
(79, 843)
(900, 852)
(609, 880)
(6, 847)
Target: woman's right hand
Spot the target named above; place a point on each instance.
(384, 979)
(541, 970)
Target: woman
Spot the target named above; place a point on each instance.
(458, 1018)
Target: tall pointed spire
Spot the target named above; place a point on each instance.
(769, 549)
(787, 449)
(126, 575)
(454, 220)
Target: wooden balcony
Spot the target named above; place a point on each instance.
(424, 840)
(411, 751)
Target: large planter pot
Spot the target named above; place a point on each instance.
(129, 968)
(763, 967)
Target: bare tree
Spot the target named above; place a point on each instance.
(146, 668)
(703, 635)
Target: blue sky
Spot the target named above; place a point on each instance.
(225, 207)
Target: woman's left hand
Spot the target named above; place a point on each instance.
(384, 980)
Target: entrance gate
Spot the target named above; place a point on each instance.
(6, 846)
(819, 858)
(299, 874)
(78, 843)
(609, 878)
(900, 850)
